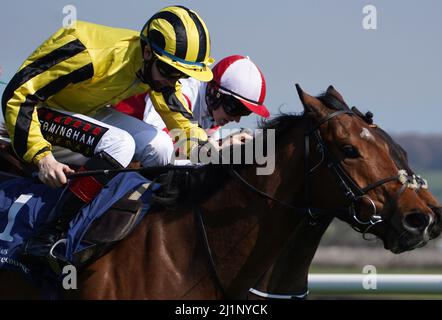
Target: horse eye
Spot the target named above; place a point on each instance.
(350, 151)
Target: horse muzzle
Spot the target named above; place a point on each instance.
(414, 231)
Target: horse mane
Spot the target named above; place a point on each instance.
(282, 123)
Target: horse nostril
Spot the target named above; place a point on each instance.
(416, 221)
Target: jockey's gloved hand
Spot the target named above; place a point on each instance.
(51, 172)
(237, 138)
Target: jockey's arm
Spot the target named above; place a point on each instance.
(237, 138)
(52, 67)
(175, 113)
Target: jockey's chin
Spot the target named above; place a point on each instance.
(160, 83)
(222, 118)
(157, 86)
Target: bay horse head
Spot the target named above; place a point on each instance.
(407, 213)
(386, 198)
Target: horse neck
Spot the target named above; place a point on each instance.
(289, 274)
(246, 232)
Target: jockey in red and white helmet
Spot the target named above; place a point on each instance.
(238, 88)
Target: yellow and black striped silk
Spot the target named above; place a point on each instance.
(42, 76)
(180, 32)
(80, 69)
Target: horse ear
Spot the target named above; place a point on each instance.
(332, 91)
(311, 104)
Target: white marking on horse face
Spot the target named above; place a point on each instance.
(366, 135)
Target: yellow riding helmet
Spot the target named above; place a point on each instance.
(179, 37)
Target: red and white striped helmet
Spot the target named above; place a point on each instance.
(240, 77)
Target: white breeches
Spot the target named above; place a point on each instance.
(126, 139)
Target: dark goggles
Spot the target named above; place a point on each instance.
(233, 107)
(167, 71)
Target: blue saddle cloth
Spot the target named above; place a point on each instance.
(25, 206)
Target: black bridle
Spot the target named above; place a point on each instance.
(351, 190)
